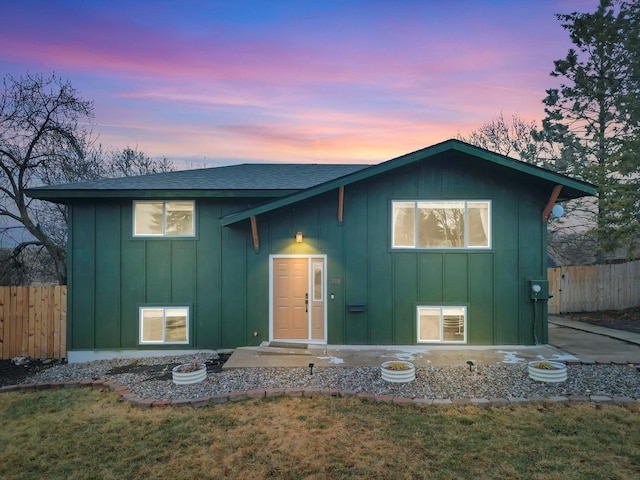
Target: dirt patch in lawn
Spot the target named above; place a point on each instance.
(628, 319)
(163, 371)
(12, 373)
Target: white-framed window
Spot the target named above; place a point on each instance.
(425, 224)
(442, 324)
(161, 325)
(158, 218)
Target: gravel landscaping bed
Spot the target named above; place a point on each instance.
(150, 378)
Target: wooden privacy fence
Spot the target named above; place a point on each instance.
(33, 322)
(595, 287)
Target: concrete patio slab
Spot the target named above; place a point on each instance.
(354, 356)
(568, 340)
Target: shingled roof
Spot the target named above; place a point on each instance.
(260, 179)
(284, 183)
(448, 150)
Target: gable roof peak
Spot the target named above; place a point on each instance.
(572, 188)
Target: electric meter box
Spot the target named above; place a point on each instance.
(533, 293)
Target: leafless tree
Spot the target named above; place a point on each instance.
(523, 141)
(514, 138)
(46, 139)
(131, 161)
(42, 141)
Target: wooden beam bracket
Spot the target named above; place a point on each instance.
(254, 233)
(552, 201)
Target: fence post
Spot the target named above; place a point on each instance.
(553, 305)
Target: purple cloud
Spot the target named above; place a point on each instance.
(291, 81)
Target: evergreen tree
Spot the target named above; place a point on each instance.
(594, 115)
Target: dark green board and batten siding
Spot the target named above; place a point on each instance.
(112, 274)
(225, 282)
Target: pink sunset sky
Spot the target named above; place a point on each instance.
(208, 82)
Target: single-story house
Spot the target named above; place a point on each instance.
(445, 245)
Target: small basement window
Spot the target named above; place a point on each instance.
(442, 324)
(161, 325)
(164, 219)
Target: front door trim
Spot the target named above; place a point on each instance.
(310, 279)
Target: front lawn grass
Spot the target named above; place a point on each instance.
(84, 433)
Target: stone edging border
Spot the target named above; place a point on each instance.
(129, 397)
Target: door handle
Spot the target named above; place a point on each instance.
(306, 302)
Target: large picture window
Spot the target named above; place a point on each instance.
(442, 324)
(441, 224)
(164, 325)
(158, 218)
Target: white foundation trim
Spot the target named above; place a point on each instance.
(81, 356)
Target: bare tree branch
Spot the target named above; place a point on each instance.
(42, 142)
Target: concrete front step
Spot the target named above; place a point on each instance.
(282, 348)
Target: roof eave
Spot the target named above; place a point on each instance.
(577, 188)
(68, 196)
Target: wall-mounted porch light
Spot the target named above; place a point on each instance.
(299, 237)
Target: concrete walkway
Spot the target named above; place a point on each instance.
(568, 340)
(592, 343)
(623, 335)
